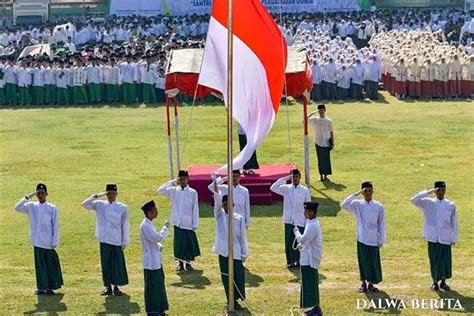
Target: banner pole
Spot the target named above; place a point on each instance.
(168, 136)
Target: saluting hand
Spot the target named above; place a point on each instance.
(32, 194)
(98, 195)
(167, 223)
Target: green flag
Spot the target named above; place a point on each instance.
(166, 8)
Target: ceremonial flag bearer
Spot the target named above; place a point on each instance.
(156, 302)
(112, 231)
(184, 218)
(221, 247)
(310, 245)
(440, 229)
(44, 236)
(371, 235)
(294, 195)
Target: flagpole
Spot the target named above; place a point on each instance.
(230, 182)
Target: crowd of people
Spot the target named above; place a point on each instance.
(124, 59)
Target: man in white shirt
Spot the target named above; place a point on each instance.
(94, 75)
(3, 59)
(44, 236)
(70, 46)
(310, 245)
(323, 139)
(440, 229)
(156, 301)
(112, 231)
(221, 247)
(241, 194)
(294, 195)
(184, 218)
(371, 235)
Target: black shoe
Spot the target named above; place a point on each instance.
(39, 292)
(444, 286)
(117, 291)
(106, 291)
(180, 267)
(372, 288)
(296, 264)
(434, 287)
(50, 292)
(315, 311)
(189, 267)
(363, 288)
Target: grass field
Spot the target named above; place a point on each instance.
(402, 147)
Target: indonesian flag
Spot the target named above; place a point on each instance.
(259, 63)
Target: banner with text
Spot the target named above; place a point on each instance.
(188, 7)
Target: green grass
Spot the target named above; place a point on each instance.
(401, 147)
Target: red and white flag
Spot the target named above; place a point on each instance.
(259, 63)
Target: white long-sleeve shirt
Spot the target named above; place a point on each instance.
(112, 225)
(241, 199)
(151, 246)
(370, 218)
(293, 201)
(94, 74)
(129, 73)
(184, 205)
(322, 127)
(311, 249)
(44, 223)
(440, 222)
(241, 250)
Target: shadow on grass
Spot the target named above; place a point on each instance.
(329, 185)
(50, 304)
(192, 280)
(119, 305)
(252, 280)
(244, 311)
(327, 206)
(384, 303)
(466, 301)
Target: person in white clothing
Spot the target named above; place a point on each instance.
(323, 140)
(294, 195)
(440, 230)
(184, 218)
(156, 301)
(241, 194)
(113, 233)
(310, 245)
(221, 246)
(371, 235)
(44, 237)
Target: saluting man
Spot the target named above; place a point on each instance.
(112, 231)
(44, 236)
(241, 194)
(184, 218)
(310, 245)
(371, 235)
(221, 247)
(156, 301)
(294, 195)
(440, 229)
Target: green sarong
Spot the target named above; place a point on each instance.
(252, 163)
(39, 94)
(50, 94)
(239, 277)
(440, 261)
(3, 99)
(156, 301)
(62, 96)
(185, 244)
(370, 268)
(80, 95)
(292, 256)
(10, 93)
(48, 269)
(112, 261)
(94, 92)
(324, 160)
(149, 95)
(113, 94)
(309, 296)
(129, 92)
(24, 95)
(139, 92)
